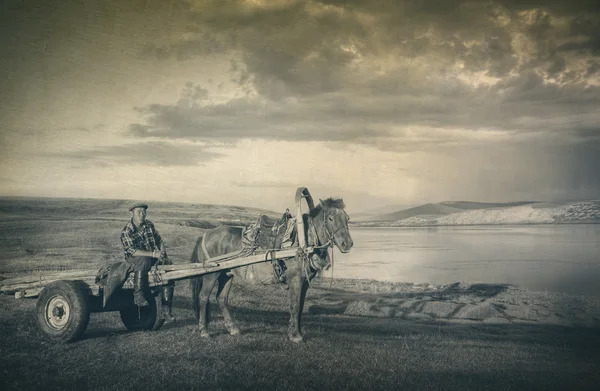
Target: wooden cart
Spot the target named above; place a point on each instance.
(66, 299)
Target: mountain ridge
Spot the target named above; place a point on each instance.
(477, 213)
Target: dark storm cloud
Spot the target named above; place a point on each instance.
(151, 153)
(561, 7)
(191, 117)
(278, 39)
(357, 71)
(523, 103)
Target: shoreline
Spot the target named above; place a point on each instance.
(457, 302)
(381, 225)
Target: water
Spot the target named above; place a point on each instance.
(558, 258)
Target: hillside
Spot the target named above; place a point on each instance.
(439, 209)
(180, 213)
(521, 213)
(423, 210)
(483, 205)
(368, 214)
(59, 233)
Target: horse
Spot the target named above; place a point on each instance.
(325, 225)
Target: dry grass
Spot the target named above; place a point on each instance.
(342, 351)
(361, 335)
(62, 234)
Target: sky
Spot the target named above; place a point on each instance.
(240, 102)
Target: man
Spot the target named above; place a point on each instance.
(142, 248)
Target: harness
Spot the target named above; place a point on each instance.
(309, 248)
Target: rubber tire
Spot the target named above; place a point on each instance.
(76, 296)
(148, 319)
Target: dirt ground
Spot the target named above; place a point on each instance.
(361, 335)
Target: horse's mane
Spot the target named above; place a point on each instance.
(328, 203)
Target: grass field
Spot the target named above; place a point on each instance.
(361, 335)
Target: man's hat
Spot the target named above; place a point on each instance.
(138, 205)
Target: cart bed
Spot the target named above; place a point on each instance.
(32, 285)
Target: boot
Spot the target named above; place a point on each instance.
(167, 303)
(140, 286)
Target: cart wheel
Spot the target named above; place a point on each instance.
(142, 318)
(63, 311)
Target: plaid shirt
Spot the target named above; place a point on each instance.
(146, 238)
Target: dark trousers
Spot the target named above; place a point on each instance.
(141, 266)
(144, 264)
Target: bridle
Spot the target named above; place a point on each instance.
(330, 236)
(317, 246)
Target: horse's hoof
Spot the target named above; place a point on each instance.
(234, 331)
(296, 338)
(204, 334)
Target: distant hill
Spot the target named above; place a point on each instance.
(483, 205)
(381, 210)
(478, 213)
(423, 210)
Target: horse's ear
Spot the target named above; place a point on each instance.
(321, 202)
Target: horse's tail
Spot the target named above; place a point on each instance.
(196, 282)
(195, 258)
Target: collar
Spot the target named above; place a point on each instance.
(134, 228)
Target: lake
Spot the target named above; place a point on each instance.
(560, 258)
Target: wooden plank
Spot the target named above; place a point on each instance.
(299, 219)
(35, 292)
(52, 276)
(199, 269)
(159, 275)
(225, 256)
(32, 292)
(40, 284)
(213, 265)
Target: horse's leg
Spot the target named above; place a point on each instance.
(297, 291)
(208, 282)
(196, 287)
(303, 291)
(225, 282)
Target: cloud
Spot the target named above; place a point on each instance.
(253, 117)
(413, 98)
(363, 72)
(388, 116)
(152, 153)
(287, 41)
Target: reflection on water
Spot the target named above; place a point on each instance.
(562, 258)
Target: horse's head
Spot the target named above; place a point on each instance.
(335, 223)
